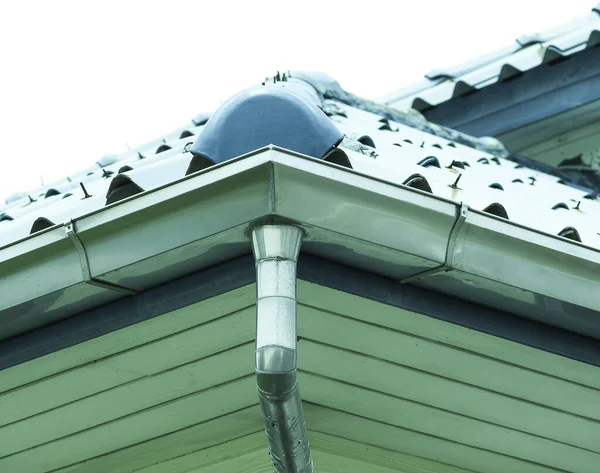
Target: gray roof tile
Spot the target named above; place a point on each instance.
(524, 54)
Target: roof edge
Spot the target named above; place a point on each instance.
(247, 191)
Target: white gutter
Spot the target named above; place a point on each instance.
(349, 217)
(276, 249)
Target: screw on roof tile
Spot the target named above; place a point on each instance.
(455, 185)
(85, 192)
(532, 179)
(106, 173)
(577, 206)
(140, 155)
(422, 145)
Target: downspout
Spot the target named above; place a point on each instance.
(276, 249)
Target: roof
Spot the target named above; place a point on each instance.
(428, 159)
(524, 54)
(374, 188)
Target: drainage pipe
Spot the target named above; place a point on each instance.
(276, 249)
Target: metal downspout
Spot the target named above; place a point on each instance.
(276, 249)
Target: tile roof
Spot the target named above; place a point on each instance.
(422, 156)
(523, 54)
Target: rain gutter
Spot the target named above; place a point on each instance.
(204, 219)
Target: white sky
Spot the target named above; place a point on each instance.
(81, 79)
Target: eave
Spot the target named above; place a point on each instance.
(350, 218)
(546, 91)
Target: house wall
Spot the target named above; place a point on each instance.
(583, 141)
(387, 385)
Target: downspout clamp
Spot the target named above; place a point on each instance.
(276, 249)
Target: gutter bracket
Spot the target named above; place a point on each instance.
(85, 264)
(463, 212)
